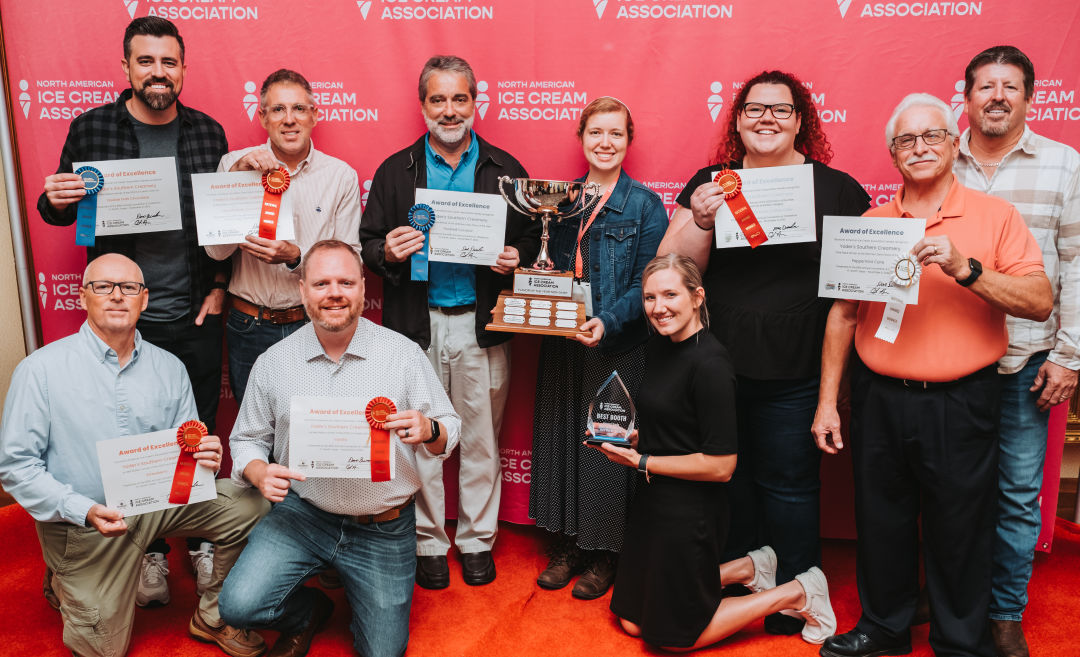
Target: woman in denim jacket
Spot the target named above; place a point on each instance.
(576, 492)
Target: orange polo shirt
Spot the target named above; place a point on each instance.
(951, 332)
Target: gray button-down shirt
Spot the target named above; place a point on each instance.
(67, 396)
(378, 363)
(1041, 177)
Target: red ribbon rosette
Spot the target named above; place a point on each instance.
(274, 185)
(189, 435)
(731, 184)
(376, 413)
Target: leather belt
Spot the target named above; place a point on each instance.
(937, 385)
(272, 315)
(454, 310)
(390, 514)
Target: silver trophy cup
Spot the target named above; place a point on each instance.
(549, 199)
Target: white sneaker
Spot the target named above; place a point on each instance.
(764, 569)
(202, 561)
(818, 612)
(153, 587)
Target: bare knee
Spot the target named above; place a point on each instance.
(630, 628)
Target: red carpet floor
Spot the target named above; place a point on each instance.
(510, 616)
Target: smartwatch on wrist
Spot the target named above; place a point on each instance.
(435, 432)
(976, 271)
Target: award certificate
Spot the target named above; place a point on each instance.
(468, 228)
(228, 206)
(331, 437)
(866, 258)
(137, 473)
(138, 196)
(782, 199)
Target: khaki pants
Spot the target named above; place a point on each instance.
(477, 380)
(96, 577)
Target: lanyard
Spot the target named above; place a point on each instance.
(578, 265)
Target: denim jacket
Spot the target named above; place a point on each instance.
(625, 236)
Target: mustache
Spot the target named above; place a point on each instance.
(925, 157)
(165, 81)
(997, 104)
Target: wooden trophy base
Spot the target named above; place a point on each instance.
(541, 315)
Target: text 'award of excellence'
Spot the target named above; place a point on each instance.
(611, 414)
(541, 301)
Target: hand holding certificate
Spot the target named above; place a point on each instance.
(341, 437)
(782, 200)
(229, 207)
(866, 258)
(468, 228)
(138, 472)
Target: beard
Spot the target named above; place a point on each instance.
(995, 127)
(154, 99)
(333, 324)
(450, 135)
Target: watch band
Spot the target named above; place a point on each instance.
(976, 271)
(435, 432)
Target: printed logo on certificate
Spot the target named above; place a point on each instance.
(782, 200)
(137, 196)
(331, 437)
(137, 473)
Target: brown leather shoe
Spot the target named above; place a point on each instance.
(297, 645)
(233, 642)
(598, 578)
(1008, 638)
(563, 564)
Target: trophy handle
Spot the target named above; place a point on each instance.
(509, 201)
(589, 204)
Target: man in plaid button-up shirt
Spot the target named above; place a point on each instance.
(154, 65)
(1000, 155)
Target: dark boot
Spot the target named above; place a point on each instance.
(598, 577)
(564, 562)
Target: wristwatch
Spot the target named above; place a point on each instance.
(976, 271)
(642, 464)
(435, 432)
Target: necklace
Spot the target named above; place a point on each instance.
(987, 164)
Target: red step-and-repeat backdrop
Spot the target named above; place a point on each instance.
(676, 63)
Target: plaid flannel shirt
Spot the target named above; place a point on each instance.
(1041, 177)
(106, 133)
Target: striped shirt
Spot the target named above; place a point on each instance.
(378, 363)
(326, 205)
(1041, 177)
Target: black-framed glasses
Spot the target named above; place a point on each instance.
(757, 110)
(930, 138)
(299, 110)
(127, 288)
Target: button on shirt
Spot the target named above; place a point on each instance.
(1041, 177)
(378, 363)
(325, 197)
(451, 284)
(67, 396)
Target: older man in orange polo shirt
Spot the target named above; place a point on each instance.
(925, 407)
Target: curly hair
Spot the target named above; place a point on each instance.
(811, 140)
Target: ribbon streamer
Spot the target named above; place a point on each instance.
(274, 185)
(188, 435)
(376, 413)
(86, 210)
(422, 218)
(731, 184)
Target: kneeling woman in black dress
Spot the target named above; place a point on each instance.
(667, 587)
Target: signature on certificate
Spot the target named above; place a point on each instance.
(780, 231)
(470, 251)
(354, 462)
(144, 219)
(881, 288)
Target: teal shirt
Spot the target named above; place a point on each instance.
(451, 284)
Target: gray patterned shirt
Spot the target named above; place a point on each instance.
(1041, 177)
(378, 362)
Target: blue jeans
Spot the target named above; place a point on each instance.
(774, 492)
(377, 563)
(1020, 471)
(248, 337)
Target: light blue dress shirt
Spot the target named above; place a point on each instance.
(67, 396)
(451, 284)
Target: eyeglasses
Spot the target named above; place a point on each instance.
(127, 288)
(757, 110)
(278, 112)
(930, 138)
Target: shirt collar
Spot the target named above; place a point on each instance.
(359, 345)
(304, 163)
(101, 350)
(1027, 143)
(952, 206)
(469, 155)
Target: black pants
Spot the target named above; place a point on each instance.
(199, 349)
(932, 452)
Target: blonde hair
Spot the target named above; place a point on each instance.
(688, 271)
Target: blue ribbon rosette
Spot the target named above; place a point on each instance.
(422, 218)
(86, 211)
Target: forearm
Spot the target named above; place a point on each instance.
(1028, 297)
(685, 237)
(693, 467)
(836, 350)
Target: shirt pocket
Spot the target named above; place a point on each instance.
(620, 241)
